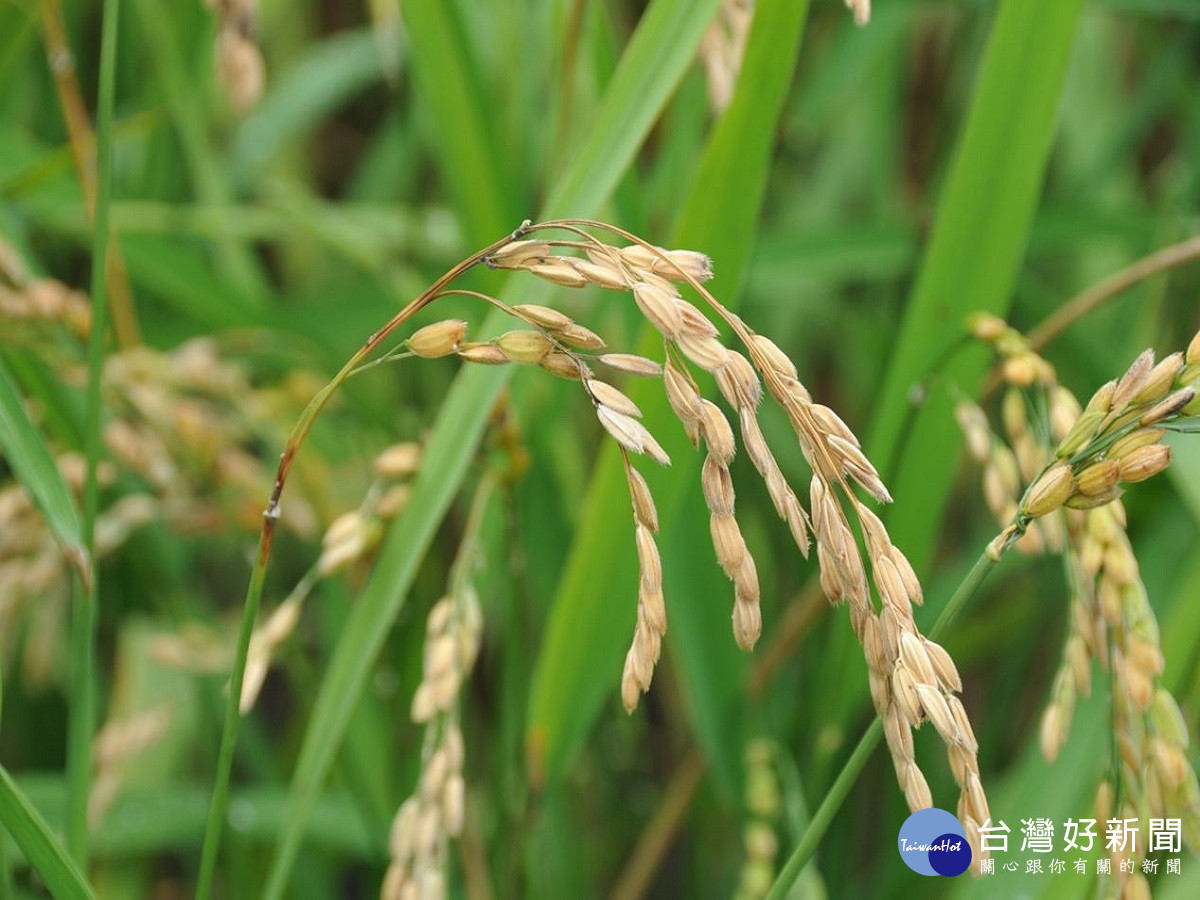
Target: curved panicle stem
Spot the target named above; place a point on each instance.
(220, 798)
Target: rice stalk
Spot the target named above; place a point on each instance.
(722, 49)
(1076, 458)
(433, 815)
(82, 141)
(912, 678)
(81, 711)
(764, 808)
(906, 687)
(270, 520)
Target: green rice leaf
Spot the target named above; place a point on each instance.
(31, 833)
(972, 261)
(30, 458)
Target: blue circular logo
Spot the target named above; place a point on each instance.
(933, 842)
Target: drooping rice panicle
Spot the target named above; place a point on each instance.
(1075, 462)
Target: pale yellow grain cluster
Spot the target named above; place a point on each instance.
(1114, 440)
(861, 10)
(1019, 458)
(650, 273)
(557, 344)
(426, 821)
(241, 70)
(35, 580)
(452, 635)
(1113, 625)
(354, 534)
(349, 541)
(117, 748)
(1075, 473)
(434, 814)
(265, 643)
(764, 807)
(550, 343)
(651, 625)
(34, 587)
(705, 423)
(722, 49)
(620, 417)
(187, 422)
(913, 679)
(35, 310)
(181, 433)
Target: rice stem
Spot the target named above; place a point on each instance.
(81, 140)
(1113, 286)
(220, 796)
(81, 711)
(842, 785)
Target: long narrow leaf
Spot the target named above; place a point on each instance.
(208, 173)
(31, 833)
(649, 71)
(466, 135)
(984, 218)
(33, 463)
(974, 255)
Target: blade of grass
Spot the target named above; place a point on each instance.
(466, 133)
(984, 217)
(33, 464)
(31, 833)
(663, 46)
(81, 139)
(81, 710)
(15, 35)
(169, 819)
(207, 171)
(299, 99)
(572, 679)
(983, 223)
(651, 68)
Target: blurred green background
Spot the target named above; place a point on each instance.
(863, 191)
